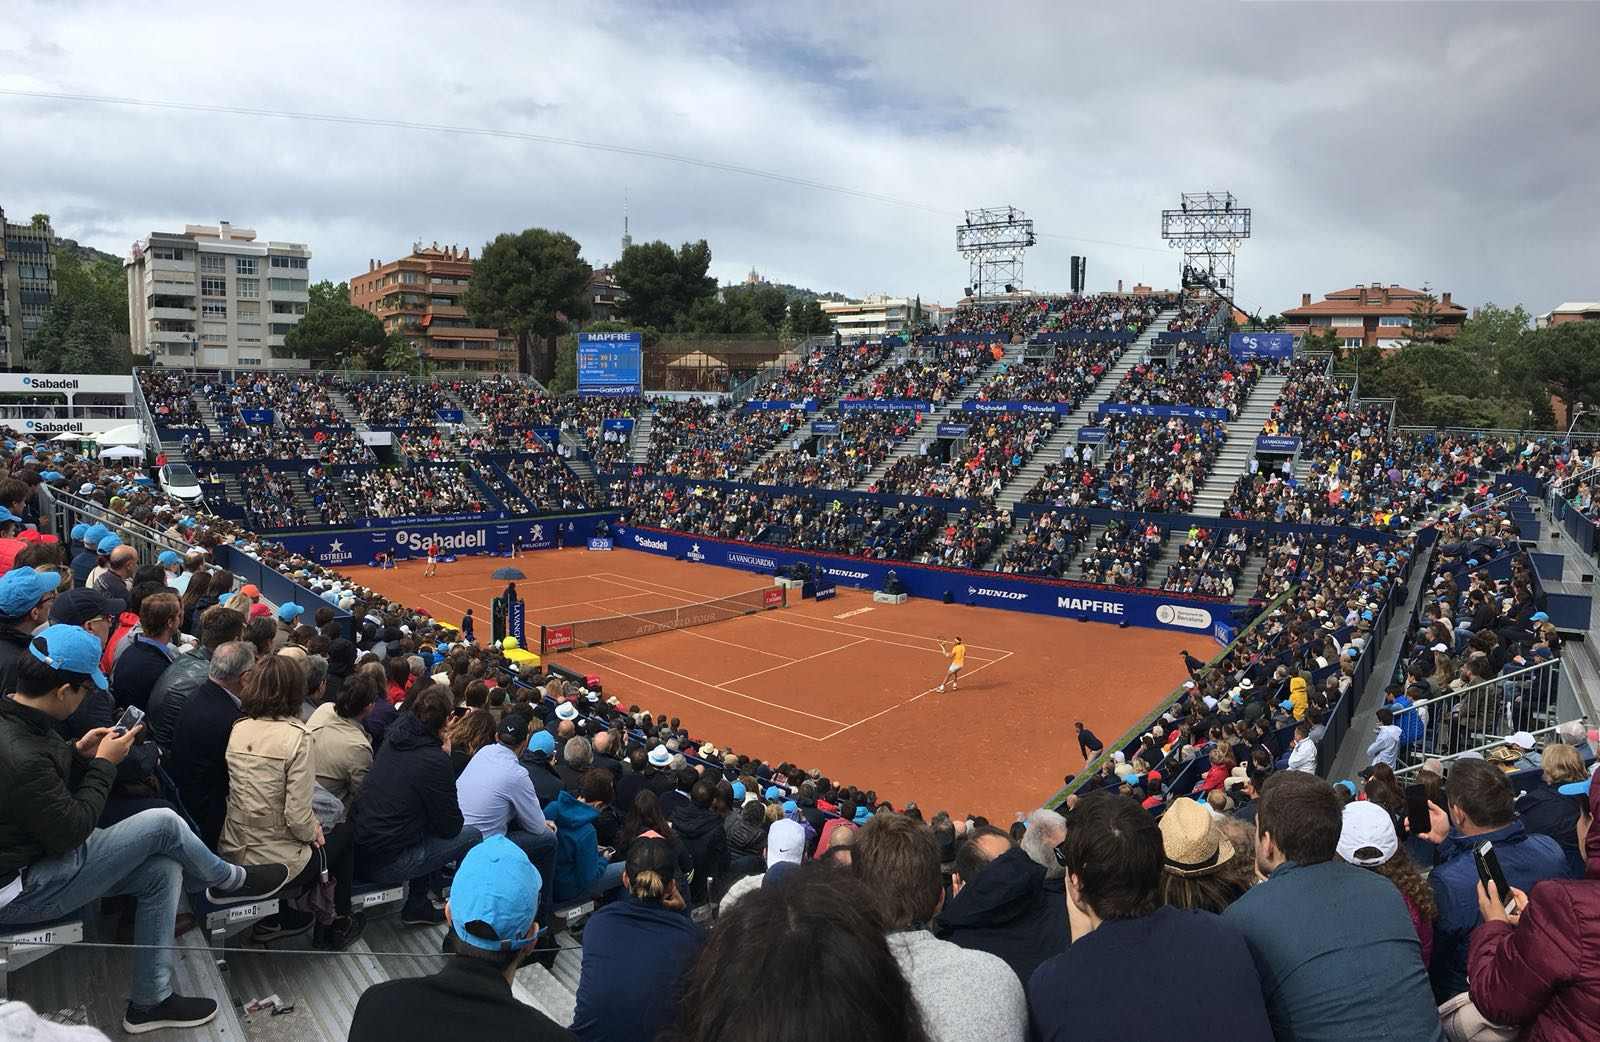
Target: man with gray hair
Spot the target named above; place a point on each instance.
(1004, 904)
(577, 755)
(1576, 734)
(316, 667)
(198, 763)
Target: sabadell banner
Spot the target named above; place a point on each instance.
(1147, 608)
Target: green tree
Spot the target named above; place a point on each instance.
(1492, 330)
(1318, 339)
(1564, 361)
(335, 334)
(1424, 318)
(400, 356)
(530, 284)
(663, 285)
(85, 329)
(806, 318)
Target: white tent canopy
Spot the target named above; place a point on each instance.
(121, 452)
(127, 434)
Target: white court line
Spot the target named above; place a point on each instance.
(720, 687)
(785, 665)
(690, 698)
(691, 630)
(857, 625)
(908, 701)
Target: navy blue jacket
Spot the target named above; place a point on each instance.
(1525, 857)
(1173, 974)
(199, 760)
(409, 794)
(1006, 911)
(635, 954)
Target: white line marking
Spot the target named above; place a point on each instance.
(785, 665)
(691, 631)
(720, 687)
(690, 698)
(908, 701)
(853, 611)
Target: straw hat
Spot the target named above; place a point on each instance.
(1193, 845)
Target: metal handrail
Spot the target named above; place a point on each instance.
(1450, 758)
(1457, 721)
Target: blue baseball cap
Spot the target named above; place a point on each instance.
(7, 515)
(51, 475)
(543, 742)
(78, 530)
(862, 814)
(21, 590)
(738, 790)
(289, 612)
(1540, 616)
(71, 648)
(790, 806)
(168, 558)
(94, 533)
(495, 892)
(773, 793)
(1577, 788)
(108, 544)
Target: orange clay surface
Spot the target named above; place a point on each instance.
(844, 685)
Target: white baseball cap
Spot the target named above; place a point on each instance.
(1367, 837)
(786, 841)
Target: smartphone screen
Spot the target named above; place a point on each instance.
(130, 719)
(1417, 819)
(1489, 871)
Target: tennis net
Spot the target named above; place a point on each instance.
(586, 633)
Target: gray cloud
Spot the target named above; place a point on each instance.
(1403, 142)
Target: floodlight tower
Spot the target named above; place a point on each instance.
(1209, 227)
(993, 240)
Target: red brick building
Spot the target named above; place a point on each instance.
(1371, 315)
(1572, 311)
(420, 297)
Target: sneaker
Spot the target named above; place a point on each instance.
(420, 913)
(940, 689)
(177, 1011)
(342, 932)
(287, 923)
(260, 883)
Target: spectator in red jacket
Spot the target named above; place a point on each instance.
(1535, 968)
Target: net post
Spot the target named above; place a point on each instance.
(543, 650)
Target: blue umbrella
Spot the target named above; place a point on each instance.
(509, 574)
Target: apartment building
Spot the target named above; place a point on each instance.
(27, 284)
(419, 296)
(878, 316)
(213, 296)
(1373, 315)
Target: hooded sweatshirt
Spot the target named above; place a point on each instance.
(578, 862)
(1005, 911)
(1298, 696)
(409, 793)
(1385, 747)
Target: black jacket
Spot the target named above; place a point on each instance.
(545, 781)
(466, 991)
(53, 796)
(177, 684)
(1007, 911)
(409, 793)
(199, 757)
(743, 838)
(13, 645)
(700, 828)
(137, 672)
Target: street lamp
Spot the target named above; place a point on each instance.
(1579, 411)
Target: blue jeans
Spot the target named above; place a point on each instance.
(146, 857)
(416, 864)
(541, 850)
(609, 880)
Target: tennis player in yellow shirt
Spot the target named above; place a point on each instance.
(957, 654)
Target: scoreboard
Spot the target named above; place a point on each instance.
(610, 363)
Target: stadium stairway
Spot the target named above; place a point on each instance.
(947, 413)
(208, 415)
(576, 462)
(1234, 459)
(643, 430)
(468, 419)
(1066, 435)
(346, 410)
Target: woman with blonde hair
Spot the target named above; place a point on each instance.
(466, 734)
(1544, 810)
(636, 950)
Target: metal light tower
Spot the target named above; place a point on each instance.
(1209, 227)
(993, 241)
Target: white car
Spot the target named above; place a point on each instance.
(179, 482)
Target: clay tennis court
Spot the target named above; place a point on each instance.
(843, 685)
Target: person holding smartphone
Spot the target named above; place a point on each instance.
(1481, 811)
(1528, 965)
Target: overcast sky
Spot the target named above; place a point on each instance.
(1457, 145)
